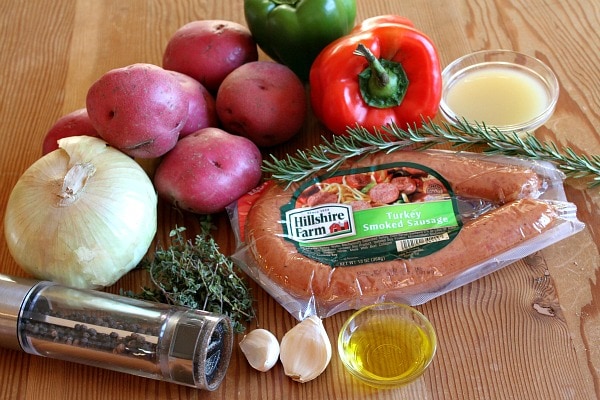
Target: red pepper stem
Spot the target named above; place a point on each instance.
(382, 76)
(383, 83)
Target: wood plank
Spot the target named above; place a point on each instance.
(528, 331)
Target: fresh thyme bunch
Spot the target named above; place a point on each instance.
(330, 154)
(196, 274)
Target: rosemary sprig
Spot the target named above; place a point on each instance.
(196, 274)
(330, 154)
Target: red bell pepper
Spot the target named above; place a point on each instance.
(381, 19)
(385, 71)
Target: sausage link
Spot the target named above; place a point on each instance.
(478, 240)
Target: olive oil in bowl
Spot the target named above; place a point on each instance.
(387, 345)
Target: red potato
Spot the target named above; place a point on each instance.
(139, 109)
(75, 123)
(208, 170)
(208, 50)
(202, 112)
(263, 101)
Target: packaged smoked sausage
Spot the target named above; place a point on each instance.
(406, 226)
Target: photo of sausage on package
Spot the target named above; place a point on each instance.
(405, 226)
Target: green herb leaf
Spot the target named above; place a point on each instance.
(331, 154)
(196, 274)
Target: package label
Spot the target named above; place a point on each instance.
(379, 213)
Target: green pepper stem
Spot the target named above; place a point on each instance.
(285, 2)
(381, 75)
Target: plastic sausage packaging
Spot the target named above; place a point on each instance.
(406, 226)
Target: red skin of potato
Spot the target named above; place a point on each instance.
(75, 123)
(208, 50)
(208, 170)
(263, 101)
(202, 112)
(139, 109)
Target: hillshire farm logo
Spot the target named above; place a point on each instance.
(320, 223)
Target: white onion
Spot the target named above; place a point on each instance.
(83, 215)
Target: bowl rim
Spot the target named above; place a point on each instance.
(549, 80)
(392, 382)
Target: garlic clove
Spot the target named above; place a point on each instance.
(261, 349)
(305, 350)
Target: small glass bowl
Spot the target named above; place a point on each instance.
(510, 91)
(387, 345)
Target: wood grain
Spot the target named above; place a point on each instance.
(528, 331)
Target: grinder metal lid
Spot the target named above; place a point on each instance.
(13, 292)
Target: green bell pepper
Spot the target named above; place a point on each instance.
(293, 32)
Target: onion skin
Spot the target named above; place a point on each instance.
(87, 234)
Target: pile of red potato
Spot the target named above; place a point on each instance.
(205, 114)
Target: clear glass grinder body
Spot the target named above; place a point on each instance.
(152, 340)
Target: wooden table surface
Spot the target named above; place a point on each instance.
(529, 331)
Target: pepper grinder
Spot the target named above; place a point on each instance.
(153, 340)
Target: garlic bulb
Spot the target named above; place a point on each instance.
(305, 350)
(82, 215)
(261, 349)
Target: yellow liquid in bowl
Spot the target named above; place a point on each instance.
(385, 349)
(497, 96)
